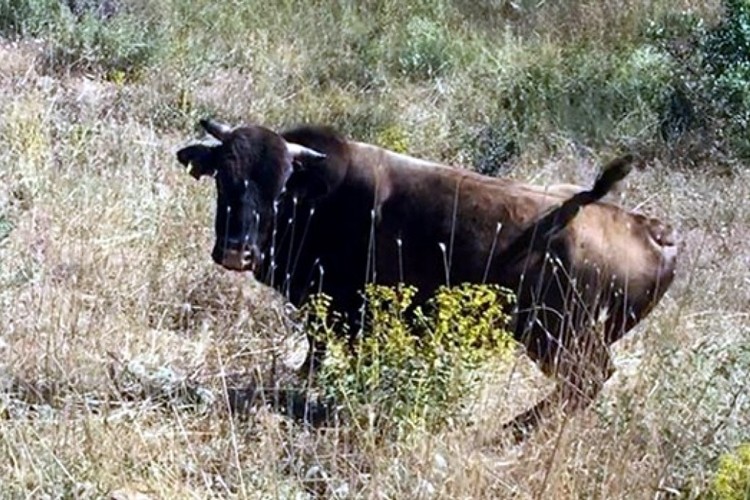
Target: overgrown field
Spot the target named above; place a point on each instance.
(118, 335)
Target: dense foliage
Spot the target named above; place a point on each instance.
(413, 367)
(732, 481)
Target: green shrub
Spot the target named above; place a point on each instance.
(711, 83)
(732, 480)
(728, 44)
(357, 57)
(590, 95)
(726, 51)
(120, 46)
(413, 367)
(394, 138)
(492, 147)
(428, 49)
(28, 17)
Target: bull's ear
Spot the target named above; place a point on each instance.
(198, 159)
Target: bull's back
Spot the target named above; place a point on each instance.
(436, 225)
(443, 225)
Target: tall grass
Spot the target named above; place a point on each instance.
(118, 336)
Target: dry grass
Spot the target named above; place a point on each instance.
(118, 336)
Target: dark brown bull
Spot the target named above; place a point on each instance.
(309, 211)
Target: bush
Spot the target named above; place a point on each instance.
(119, 44)
(27, 17)
(732, 480)
(726, 51)
(412, 368)
(711, 84)
(591, 98)
(492, 148)
(394, 138)
(120, 48)
(357, 57)
(426, 49)
(728, 44)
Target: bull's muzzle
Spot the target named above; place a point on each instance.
(245, 259)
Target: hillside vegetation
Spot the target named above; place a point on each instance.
(119, 336)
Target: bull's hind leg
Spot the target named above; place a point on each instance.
(562, 326)
(581, 369)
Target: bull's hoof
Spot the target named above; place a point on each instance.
(523, 426)
(519, 432)
(241, 400)
(293, 403)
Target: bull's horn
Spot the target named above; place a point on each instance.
(301, 152)
(216, 129)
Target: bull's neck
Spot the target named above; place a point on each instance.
(342, 220)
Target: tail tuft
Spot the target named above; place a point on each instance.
(613, 172)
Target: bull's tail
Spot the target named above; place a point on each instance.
(538, 234)
(613, 172)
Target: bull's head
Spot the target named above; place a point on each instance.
(251, 166)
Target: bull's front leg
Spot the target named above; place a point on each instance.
(317, 348)
(316, 351)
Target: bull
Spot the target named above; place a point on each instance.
(309, 211)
